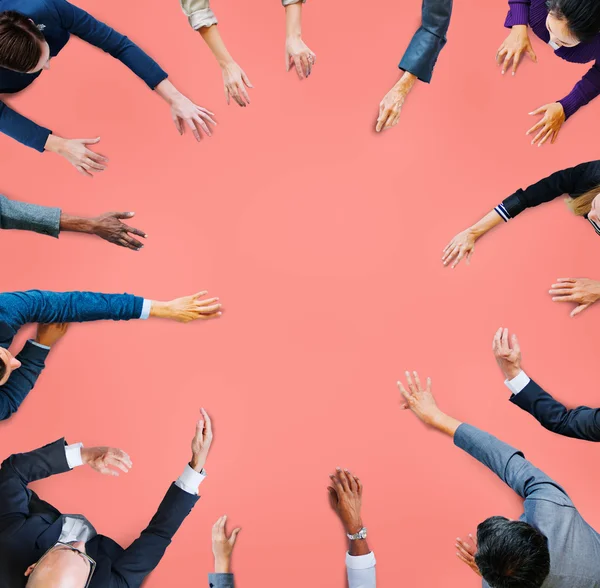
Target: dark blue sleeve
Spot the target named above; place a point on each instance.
(37, 306)
(423, 51)
(580, 423)
(23, 379)
(22, 129)
(86, 27)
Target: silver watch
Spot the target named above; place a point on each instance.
(362, 534)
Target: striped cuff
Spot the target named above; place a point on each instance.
(504, 214)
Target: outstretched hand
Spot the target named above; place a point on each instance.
(466, 551)
(507, 353)
(345, 498)
(106, 460)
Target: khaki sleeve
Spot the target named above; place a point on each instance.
(198, 13)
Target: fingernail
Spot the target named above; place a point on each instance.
(339, 469)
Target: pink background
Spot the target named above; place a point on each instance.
(323, 240)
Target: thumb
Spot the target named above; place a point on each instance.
(579, 309)
(246, 80)
(540, 110)
(234, 535)
(90, 141)
(532, 54)
(124, 214)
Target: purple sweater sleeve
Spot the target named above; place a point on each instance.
(518, 13)
(584, 91)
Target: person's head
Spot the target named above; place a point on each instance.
(587, 204)
(511, 554)
(8, 363)
(62, 566)
(571, 22)
(23, 48)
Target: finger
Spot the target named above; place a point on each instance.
(190, 123)
(133, 243)
(244, 93)
(546, 137)
(565, 299)
(122, 243)
(200, 294)
(500, 55)
(117, 463)
(507, 59)
(428, 384)
(97, 157)
(222, 524)
(238, 99)
(207, 421)
(215, 528)
(107, 471)
(178, 124)
(515, 344)
(496, 341)
(404, 393)
(206, 115)
(91, 164)
(298, 65)
(208, 317)
(567, 280)
(121, 215)
(200, 123)
(504, 340)
(234, 535)
(352, 482)
(83, 171)
(305, 64)
(337, 484)
(246, 80)
(410, 383)
(532, 54)
(516, 61)
(208, 309)
(90, 141)
(539, 135)
(118, 454)
(227, 95)
(391, 117)
(470, 254)
(417, 381)
(135, 231)
(450, 256)
(579, 309)
(344, 479)
(461, 254)
(204, 110)
(540, 110)
(535, 127)
(200, 304)
(562, 291)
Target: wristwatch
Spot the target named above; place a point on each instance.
(362, 534)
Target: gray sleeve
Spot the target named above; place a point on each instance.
(221, 581)
(29, 217)
(510, 466)
(199, 13)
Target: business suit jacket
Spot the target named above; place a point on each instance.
(36, 306)
(429, 40)
(574, 545)
(581, 422)
(29, 217)
(29, 526)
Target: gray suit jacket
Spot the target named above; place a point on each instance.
(220, 580)
(29, 217)
(574, 545)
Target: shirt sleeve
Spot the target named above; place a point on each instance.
(86, 27)
(429, 40)
(516, 384)
(22, 129)
(190, 480)
(510, 466)
(361, 570)
(583, 92)
(290, 2)
(518, 13)
(73, 455)
(574, 181)
(199, 13)
(146, 306)
(29, 217)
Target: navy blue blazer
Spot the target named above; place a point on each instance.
(29, 526)
(425, 47)
(580, 423)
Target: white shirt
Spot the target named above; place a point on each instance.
(518, 382)
(361, 570)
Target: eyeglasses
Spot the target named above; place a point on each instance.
(61, 545)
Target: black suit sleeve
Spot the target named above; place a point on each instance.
(579, 423)
(20, 469)
(429, 40)
(23, 379)
(573, 181)
(144, 554)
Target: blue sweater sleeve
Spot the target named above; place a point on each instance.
(23, 379)
(429, 40)
(510, 466)
(37, 306)
(22, 129)
(86, 27)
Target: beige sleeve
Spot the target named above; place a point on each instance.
(288, 2)
(199, 13)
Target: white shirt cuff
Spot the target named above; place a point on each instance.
(38, 344)
(146, 309)
(518, 382)
(73, 453)
(360, 562)
(190, 480)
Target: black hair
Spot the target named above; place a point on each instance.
(20, 42)
(2, 369)
(511, 554)
(582, 16)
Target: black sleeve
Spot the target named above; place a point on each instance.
(20, 469)
(573, 181)
(145, 553)
(579, 423)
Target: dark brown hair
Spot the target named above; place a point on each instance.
(20, 42)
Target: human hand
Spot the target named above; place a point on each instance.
(222, 545)
(507, 354)
(391, 105)
(77, 154)
(234, 81)
(187, 308)
(297, 53)
(105, 459)
(108, 226)
(185, 113)
(514, 47)
(462, 245)
(549, 125)
(466, 552)
(345, 497)
(582, 291)
(49, 334)
(420, 400)
(201, 442)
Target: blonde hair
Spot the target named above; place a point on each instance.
(583, 204)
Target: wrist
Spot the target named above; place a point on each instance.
(476, 231)
(407, 80)
(512, 373)
(222, 565)
(353, 527)
(167, 91)
(76, 224)
(197, 463)
(54, 144)
(160, 309)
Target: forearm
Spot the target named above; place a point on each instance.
(445, 424)
(358, 548)
(586, 90)
(76, 224)
(293, 20)
(212, 38)
(487, 223)
(167, 91)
